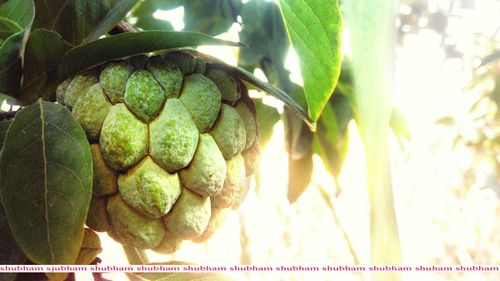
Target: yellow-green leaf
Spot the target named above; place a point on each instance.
(315, 28)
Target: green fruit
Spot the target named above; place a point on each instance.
(234, 183)
(114, 78)
(190, 215)
(229, 88)
(131, 228)
(90, 110)
(167, 74)
(105, 178)
(149, 189)
(229, 132)
(61, 91)
(97, 218)
(217, 219)
(170, 244)
(249, 122)
(124, 138)
(202, 99)
(174, 136)
(143, 95)
(170, 159)
(77, 87)
(207, 171)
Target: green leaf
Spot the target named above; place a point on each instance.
(76, 20)
(331, 140)
(115, 15)
(20, 12)
(373, 41)
(315, 28)
(267, 117)
(123, 45)
(210, 16)
(151, 23)
(4, 127)
(7, 28)
(263, 31)
(46, 169)
(43, 52)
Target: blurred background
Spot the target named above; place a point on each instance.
(308, 205)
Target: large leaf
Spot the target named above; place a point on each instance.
(263, 31)
(331, 140)
(116, 14)
(4, 127)
(267, 117)
(76, 20)
(210, 16)
(127, 44)
(315, 30)
(43, 52)
(20, 12)
(373, 43)
(46, 182)
(7, 28)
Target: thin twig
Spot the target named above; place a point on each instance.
(328, 201)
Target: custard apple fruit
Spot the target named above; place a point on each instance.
(173, 141)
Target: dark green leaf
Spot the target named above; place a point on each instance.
(4, 127)
(315, 28)
(10, 64)
(210, 16)
(75, 20)
(267, 117)
(43, 52)
(150, 23)
(46, 182)
(264, 33)
(21, 12)
(127, 44)
(331, 140)
(115, 15)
